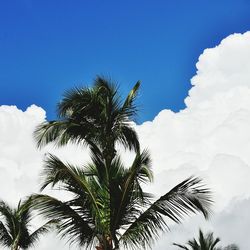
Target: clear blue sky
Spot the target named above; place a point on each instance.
(49, 46)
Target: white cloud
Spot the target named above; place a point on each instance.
(209, 138)
(19, 159)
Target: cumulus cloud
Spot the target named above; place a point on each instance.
(19, 159)
(209, 138)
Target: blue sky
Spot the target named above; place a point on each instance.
(47, 47)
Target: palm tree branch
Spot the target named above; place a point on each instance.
(188, 196)
(70, 222)
(56, 171)
(56, 210)
(34, 237)
(5, 238)
(8, 215)
(139, 171)
(128, 107)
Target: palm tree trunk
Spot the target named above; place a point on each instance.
(106, 245)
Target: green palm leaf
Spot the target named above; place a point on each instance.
(69, 178)
(15, 223)
(92, 115)
(5, 238)
(205, 242)
(188, 196)
(76, 225)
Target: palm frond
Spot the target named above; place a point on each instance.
(34, 237)
(129, 108)
(14, 228)
(7, 213)
(88, 115)
(97, 166)
(208, 240)
(190, 196)
(127, 136)
(75, 101)
(5, 238)
(70, 178)
(62, 132)
(127, 192)
(205, 242)
(71, 224)
(194, 244)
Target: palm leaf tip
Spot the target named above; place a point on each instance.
(5, 237)
(129, 107)
(45, 133)
(14, 229)
(193, 195)
(34, 237)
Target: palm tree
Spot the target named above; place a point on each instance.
(96, 116)
(14, 226)
(108, 205)
(131, 218)
(205, 242)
